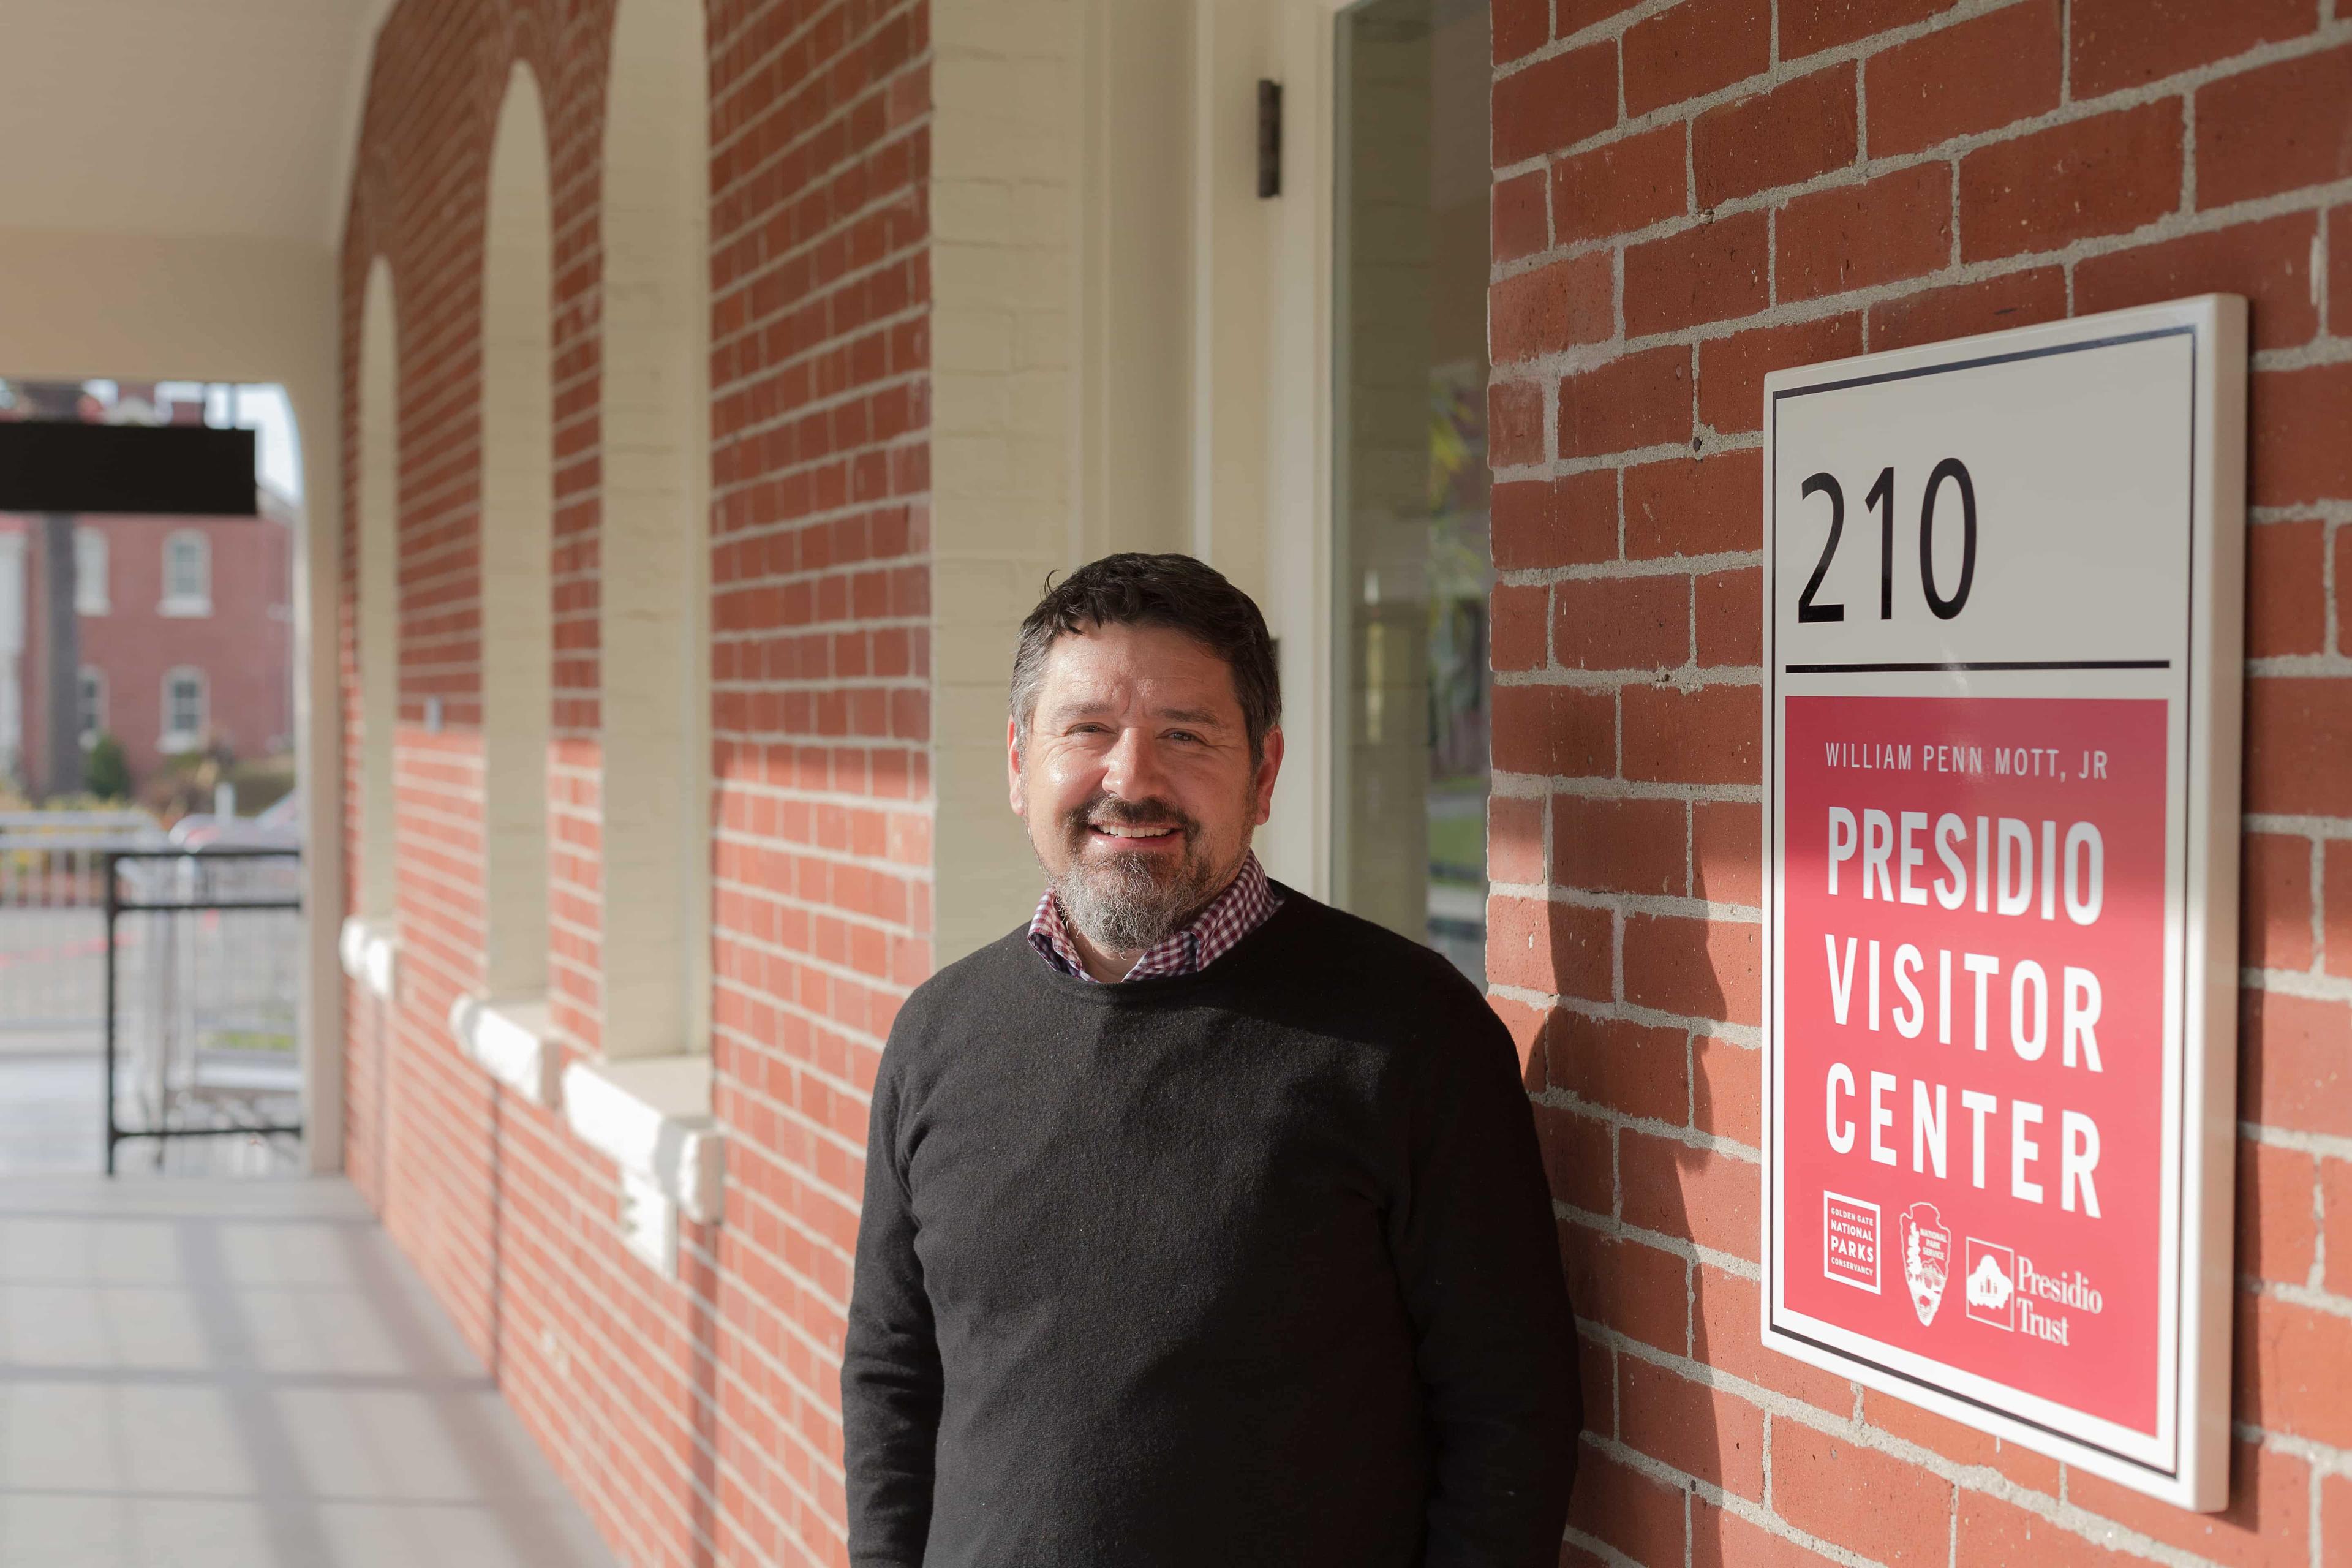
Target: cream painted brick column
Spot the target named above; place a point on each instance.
(1008, 162)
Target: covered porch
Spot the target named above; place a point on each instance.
(244, 1374)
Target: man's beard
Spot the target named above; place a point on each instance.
(1128, 900)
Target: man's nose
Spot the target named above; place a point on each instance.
(1133, 770)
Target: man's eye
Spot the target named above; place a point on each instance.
(1183, 735)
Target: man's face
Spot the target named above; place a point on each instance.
(1136, 782)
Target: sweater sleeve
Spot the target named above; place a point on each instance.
(890, 1378)
(1478, 1258)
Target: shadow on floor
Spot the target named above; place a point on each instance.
(52, 1121)
(208, 1373)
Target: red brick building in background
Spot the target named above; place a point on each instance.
(164, 673)
(185, 625)
(1685, 195)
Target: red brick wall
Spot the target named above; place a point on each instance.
(696, 1421)
(1692, 193)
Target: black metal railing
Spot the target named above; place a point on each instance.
(240, 990)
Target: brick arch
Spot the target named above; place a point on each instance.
(820, 464)
(370, 201)
(524, 37)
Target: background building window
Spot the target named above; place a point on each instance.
(93, 705)
(89, 571)
(187, 574)
(183, 710)
(1412, 565)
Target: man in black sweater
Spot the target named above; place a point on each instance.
(1204, 1224)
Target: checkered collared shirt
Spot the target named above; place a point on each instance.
(1232, 915)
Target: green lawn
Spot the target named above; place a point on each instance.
(249, 1040)
(1457, 841)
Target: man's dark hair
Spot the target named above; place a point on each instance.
(1133, 589)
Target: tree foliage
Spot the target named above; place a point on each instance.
(106, 772)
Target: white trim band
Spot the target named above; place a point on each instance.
(652, 1115)
(510, 1041)
(371, 954)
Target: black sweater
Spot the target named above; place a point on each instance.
(1252, 1266)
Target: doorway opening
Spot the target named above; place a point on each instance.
(147, 762)
(1412, 569)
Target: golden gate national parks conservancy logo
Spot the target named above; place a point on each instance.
(1927, 1257)
(1850, 1241)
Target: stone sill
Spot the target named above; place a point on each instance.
(371, 954)
(652, 1116)
(510, 1039)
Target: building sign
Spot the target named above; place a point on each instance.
(183, 470)
(2003, 651)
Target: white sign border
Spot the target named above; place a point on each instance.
(2189, 1464)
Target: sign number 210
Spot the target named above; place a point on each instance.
(1882, 498)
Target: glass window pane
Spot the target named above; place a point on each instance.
(185, 709)
(187, 576)
(1410, 546)
(89, 571)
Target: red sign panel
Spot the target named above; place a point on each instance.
(1973, 894)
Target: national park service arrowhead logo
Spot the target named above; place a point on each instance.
(1927, 1257)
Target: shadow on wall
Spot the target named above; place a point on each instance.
(1650, 1130)
(698, 1252)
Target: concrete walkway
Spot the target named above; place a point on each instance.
(204, 1374)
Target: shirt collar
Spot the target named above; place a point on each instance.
(1232, 915)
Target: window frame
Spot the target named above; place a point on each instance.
(93, 590)
(199, 602)
(93, 711)
(1299, 414)
(174, 742)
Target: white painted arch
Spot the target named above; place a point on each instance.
(517, 525)
(655, 549)
(146, 306)
(378, 589)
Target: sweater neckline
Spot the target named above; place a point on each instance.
(1245, 954)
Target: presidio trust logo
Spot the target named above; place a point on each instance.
(1993, 1284)
(2006, 1291)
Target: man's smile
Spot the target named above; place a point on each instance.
(1138, 836)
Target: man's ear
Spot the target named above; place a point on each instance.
(1269, 764)
(1013, 767)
